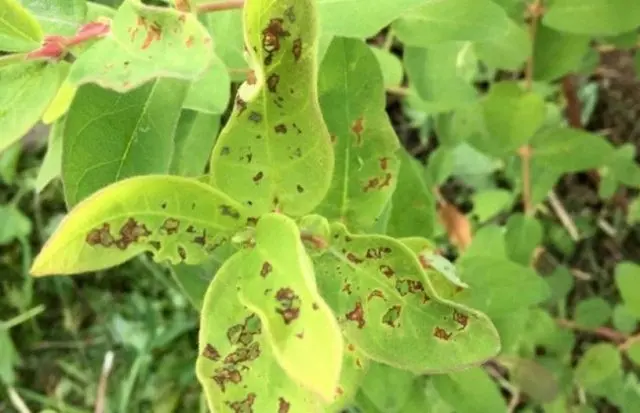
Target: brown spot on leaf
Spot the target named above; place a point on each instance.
(229, 211)
(375, 293)
(353, 258)
(226, 375)
(351, 347)
(297, 49)
(357, 315)
(243, 354)
(300, 335)
(245, 405)
(183, 5)
(281, 128)
(255, 117)
(154, 33)
(315, 306)
(189, 41)
(251, 77)
(358, 127)
(347, 288)
(225, 151)
(384, 163)
(300, 189)
(387, 271)
(386, 182)
(211, 353)
(290, 14)
(201, 239)
(156, 245)
(243, 333)
(258, 177)
(272, 82)
(283, 405)
(289, 304)
(100, 236)
(241, 105)
(392, 315)
(272, 35)
(182, 253)
(377, 252)
(372, 183)
(441, 333)
(131, 231)
(461, 319)
(170, 226)
(266, 268)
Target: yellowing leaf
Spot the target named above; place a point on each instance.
(19, 30)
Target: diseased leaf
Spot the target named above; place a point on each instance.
(61, 17)
(594, 17)
(50, 168)
(178, 219)
(387, 307)
(194, 139)
(366, 167)
(437, 22)
(210, 93)
(275, 152)
(237, 365)
(19, 30)
(413, 207)
(110, 136)
(470, 391)
(442, 268)
(354, 367)
(278, 284)
(145, 42)
(27, 89)
(627, 279)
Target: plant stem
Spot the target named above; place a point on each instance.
(563, 215)
(604, 332)
(22, 317)
(220, 6)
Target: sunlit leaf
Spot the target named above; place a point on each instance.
(145, 42)
(110, 136)
(387, 388)
(390, 66)
(599, 363)
(178, 219)
(51, 164)
(387, 307)
(522, 237)
(557, 53)
(627, 280)
(210, 93)
(226, 29)
(275, 151)
(194, 139)
(19, 30)
(353, 105)
(62, 17)
(470, 391)
(508, 51)
(595, 17)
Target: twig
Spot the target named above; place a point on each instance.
(17, 401)
(607, 228)
(102, 385)
(514, 402)
(220, 6)
(574, 110)
(629, 342)
(604, 332)
(399, 90)
(563, 215)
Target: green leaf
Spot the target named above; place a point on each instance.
(435, 75)
(499, 286)
(470, 391)
(444, 270)
(110, 136)
(278, 284)
(440, 165)
(19, 30)
(60, 103)
(226, 29)
(593, 17)
(561, 283)
(61, 17)
(237, 365)
(275, 151)
(390, 66)
(361, 18)
(9, 358)
(413, 206)
(194, 139)
(512, 116)
(623, 320)
(13, 224)
(633, 352)
(178, 219)
(488, 241)
(452, 20)
(145, 42)
(27, 89)
(523, 235)
(97, 10)
(51, 164)
(388, 309)
(627, 277)
(489, 203)
(634, 212)
(366, 167)
(508, 51)
(533, 379)
(557, 53)
(387, 388)
(592, 312)
(210, 93)
(599, 363)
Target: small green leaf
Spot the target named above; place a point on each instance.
(387, 388)
(560, 283)
(210, 94)
(9, 358)
(413, 207)
(436, 77)
(388, 309)
(633, 352)
(592, 312)
(51, 164)
(226, 29)
(470, 391)
(599, 363)
(27, 89)
(452, 20)
(440, 165)
(512, 116)
(278, 284)
(178, 219)
(390, 66)
(275, 151)
(623, 320)
(145, 42)
(195, 135)
(523, 235)
(61, 17)
(508, 51)
(13, 224)
(19, 30)
(627, 278)
(61, 103)
(634, 212)
(498, 286)
(487, 241)
(237, 366)
(365, 145)
(110, 136)
(489, 203)
(557, 53)
(593, 17)
(533, 379)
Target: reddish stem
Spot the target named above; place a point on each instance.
(220, 6)
(56, 47)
